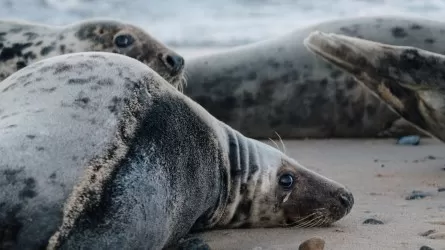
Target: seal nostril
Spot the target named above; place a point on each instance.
(170, 61)
(175, 62)
(346, 200)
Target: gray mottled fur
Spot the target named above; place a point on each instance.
(277, 85)
(22, 43)
(410, 80)
(100, 152)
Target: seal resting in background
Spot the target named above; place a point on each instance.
(411, 81)
(98, 151)
(22, 43)
(276, 85)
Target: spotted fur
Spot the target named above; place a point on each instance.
(277, 86)
(410, 80)
(114, 157)
(22, 43)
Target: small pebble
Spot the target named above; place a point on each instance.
(424, 234)
(417, 195)
(409, 140)
(426, 248)
(314, 243)
(373, 222)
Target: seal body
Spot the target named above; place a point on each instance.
(22, 43)
(277, 85)
(100, 152)
(410, 80)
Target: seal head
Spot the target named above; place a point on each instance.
(132, 41)
(408, 79)
(24, 43)
(270, 189)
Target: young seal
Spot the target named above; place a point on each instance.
(410, 80)
(100, 152)
(22, 43)
(276, 85)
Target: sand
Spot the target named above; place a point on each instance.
(380, 174)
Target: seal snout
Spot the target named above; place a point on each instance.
(346, 200)
(174, 62)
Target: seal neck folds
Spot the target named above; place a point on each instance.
(251, 175)
(266, 188)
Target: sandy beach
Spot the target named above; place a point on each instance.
(381, 175)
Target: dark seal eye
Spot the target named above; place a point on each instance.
(286, 181)
(123, 41)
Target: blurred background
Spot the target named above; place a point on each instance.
(188, 25)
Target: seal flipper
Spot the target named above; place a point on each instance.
(408, 79)
(192, 243)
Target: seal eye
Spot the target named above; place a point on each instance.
(123, 41)
(286, 181)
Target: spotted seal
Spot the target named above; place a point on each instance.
(276, 85)
(100, 152)
(410, 80)
(22, 43)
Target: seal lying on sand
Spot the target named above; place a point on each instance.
(100, 152)
(277, 85)
(22, 43)
(410, 80)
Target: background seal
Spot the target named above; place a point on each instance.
(22, 43)
(410, 80)
(277, 85)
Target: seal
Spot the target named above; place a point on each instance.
(100, 152)
(410, 80)
(22, 43)
(276, 85)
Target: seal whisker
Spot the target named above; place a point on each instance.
(316, 222)
(276, 145)
(319, 221)
(282, 143)
(319, 215)
(301, 220)
(183, 82)
(294, 223)
(308, 223)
